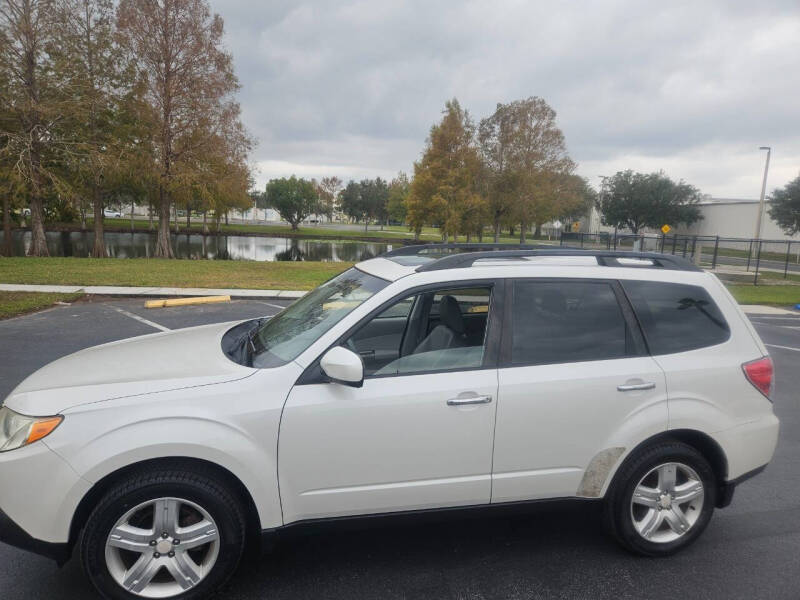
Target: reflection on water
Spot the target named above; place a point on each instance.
(234, 247)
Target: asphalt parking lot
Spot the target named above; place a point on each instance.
(750, 550)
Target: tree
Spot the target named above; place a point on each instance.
(92, 67)
(374, 196)
(11, 191)
(178, 46)
(328, 191)
(26, 28)
(398, 193)
(526, 159)
(784, 206)
(574, 198)
(365, 200)
(445, 188)
(635, 201)
(293, 198)
(350, 201)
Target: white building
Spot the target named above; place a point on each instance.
(734, 217)
(724, 217)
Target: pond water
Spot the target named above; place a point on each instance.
(222, 247)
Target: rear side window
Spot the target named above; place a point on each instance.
(567, 321)
(676, 317)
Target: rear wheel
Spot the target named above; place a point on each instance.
(166, 534)
(661, 500)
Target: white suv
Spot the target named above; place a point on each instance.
(429, 378)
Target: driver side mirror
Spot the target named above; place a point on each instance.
(343, 366)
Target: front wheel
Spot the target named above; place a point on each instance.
(661, 500)
(163, 534)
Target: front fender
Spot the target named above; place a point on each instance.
(233, 425)
(220, 444)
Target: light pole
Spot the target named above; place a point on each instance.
(763, 192)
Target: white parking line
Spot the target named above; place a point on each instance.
(782, 347)
(278, 306)
(140, 319)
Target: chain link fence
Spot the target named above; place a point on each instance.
(737, 258)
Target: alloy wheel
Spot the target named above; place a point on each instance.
(162, 548)
(667, 502)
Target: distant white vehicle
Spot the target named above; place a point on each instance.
(416, 381)
(112, 212)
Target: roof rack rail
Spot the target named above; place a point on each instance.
(415, 249)
(474, 252)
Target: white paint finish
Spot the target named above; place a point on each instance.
(385, 268)
(750, 445)
(343, 365)
(135, 317)
(231, 424)
(39, 491)
(707, 387)
(553, 419)
(142, 365)
(393, 444)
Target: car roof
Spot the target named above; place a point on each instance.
(531, 260)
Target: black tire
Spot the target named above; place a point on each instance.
(139, 487)
(617, 516)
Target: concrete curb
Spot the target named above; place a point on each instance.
(758, 309)
(108, 290)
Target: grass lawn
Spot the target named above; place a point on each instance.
(18, 303)
(169, 273)
(238, 274)
(777, 295)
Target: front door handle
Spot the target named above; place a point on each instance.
(465, 400)
(632, 387)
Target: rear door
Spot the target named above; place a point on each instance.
(575, 384)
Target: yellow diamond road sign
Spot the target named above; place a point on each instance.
(666, 229)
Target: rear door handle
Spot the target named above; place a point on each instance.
(632, 387)
(461, 401)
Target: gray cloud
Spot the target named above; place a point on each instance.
(352, 88)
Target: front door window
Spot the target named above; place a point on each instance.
(437, 330)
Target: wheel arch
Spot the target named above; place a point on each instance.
(194, 465)
(702, 442)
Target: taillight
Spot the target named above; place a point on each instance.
(759, 373)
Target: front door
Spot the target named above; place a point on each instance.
(575, 382)
(418, 434)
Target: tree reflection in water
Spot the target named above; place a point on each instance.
(196, 246)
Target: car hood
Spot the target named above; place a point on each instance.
(132, 367)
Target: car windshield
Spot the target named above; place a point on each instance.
(287, 334)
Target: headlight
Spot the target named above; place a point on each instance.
(18, 430)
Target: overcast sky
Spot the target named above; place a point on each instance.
(693, 88)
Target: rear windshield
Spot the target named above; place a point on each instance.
(676, 317)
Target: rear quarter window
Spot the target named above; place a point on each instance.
(676, 317)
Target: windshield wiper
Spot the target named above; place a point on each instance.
(249, 341)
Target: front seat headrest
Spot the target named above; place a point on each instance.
(450, 314)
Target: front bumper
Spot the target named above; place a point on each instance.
(39, 493)
(13, 535)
